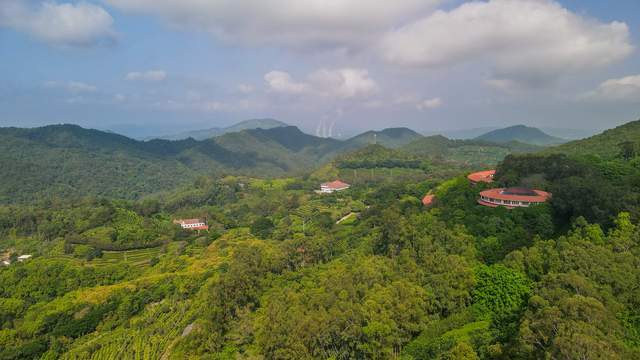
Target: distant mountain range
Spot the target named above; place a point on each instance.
(67, 160)
(521, 133)
(217, 131)
(563, 133)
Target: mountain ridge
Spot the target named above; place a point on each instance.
(202, 134)
(604, 145)
(520, 133)
(390, 137)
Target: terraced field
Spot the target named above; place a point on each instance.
(138, 257)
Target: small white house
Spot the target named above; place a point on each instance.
(24, 257)
(192, 224)
(333, 186)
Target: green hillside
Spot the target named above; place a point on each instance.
(470, 152)
(391, 138)
(365, 273)
(606, 145)
(520, 133)
(69, 161)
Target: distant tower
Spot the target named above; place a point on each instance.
(375, 138)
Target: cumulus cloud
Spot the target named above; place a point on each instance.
(289, 23)
(528, 42)
(342, 83)
(66, 24)
(429, 104)
(71, 86)
(280, 81)
(622, 89)
(151, 75)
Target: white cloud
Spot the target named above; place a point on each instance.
(429, 104)
(151, 75)
(289, 23)
(622, 89)
(343, 83)
(528, 42)
(67, 24)
(280, 81)
(71, 86)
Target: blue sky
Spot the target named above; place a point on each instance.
(147, 67)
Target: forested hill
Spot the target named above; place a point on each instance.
(520, 133)
(391, 138)
(67, 160)
(607, 145)
(469, 151)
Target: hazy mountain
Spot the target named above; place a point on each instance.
(605, 145)
(391, 138)
(217, 131)
(463, 134)
(520, 133)
(569, 134)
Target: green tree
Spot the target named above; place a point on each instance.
(262, 227)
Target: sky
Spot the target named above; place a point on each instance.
(154, 67)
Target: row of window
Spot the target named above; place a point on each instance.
(192, 225)
(507, 202)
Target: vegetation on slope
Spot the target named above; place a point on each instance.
(68, 161)
(277, 278)
(608, 145)
(391, 138)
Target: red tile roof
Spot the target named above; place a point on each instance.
(482, 176)
(337, 184)
(516, 194)
(428, 200)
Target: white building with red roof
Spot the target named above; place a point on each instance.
(192, 224)
(333, 186)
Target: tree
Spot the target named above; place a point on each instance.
(628, 150)
(262, 227)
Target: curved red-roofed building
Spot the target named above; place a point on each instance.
(513, 197)
(482, 176)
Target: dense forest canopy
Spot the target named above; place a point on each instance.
(286, 273)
